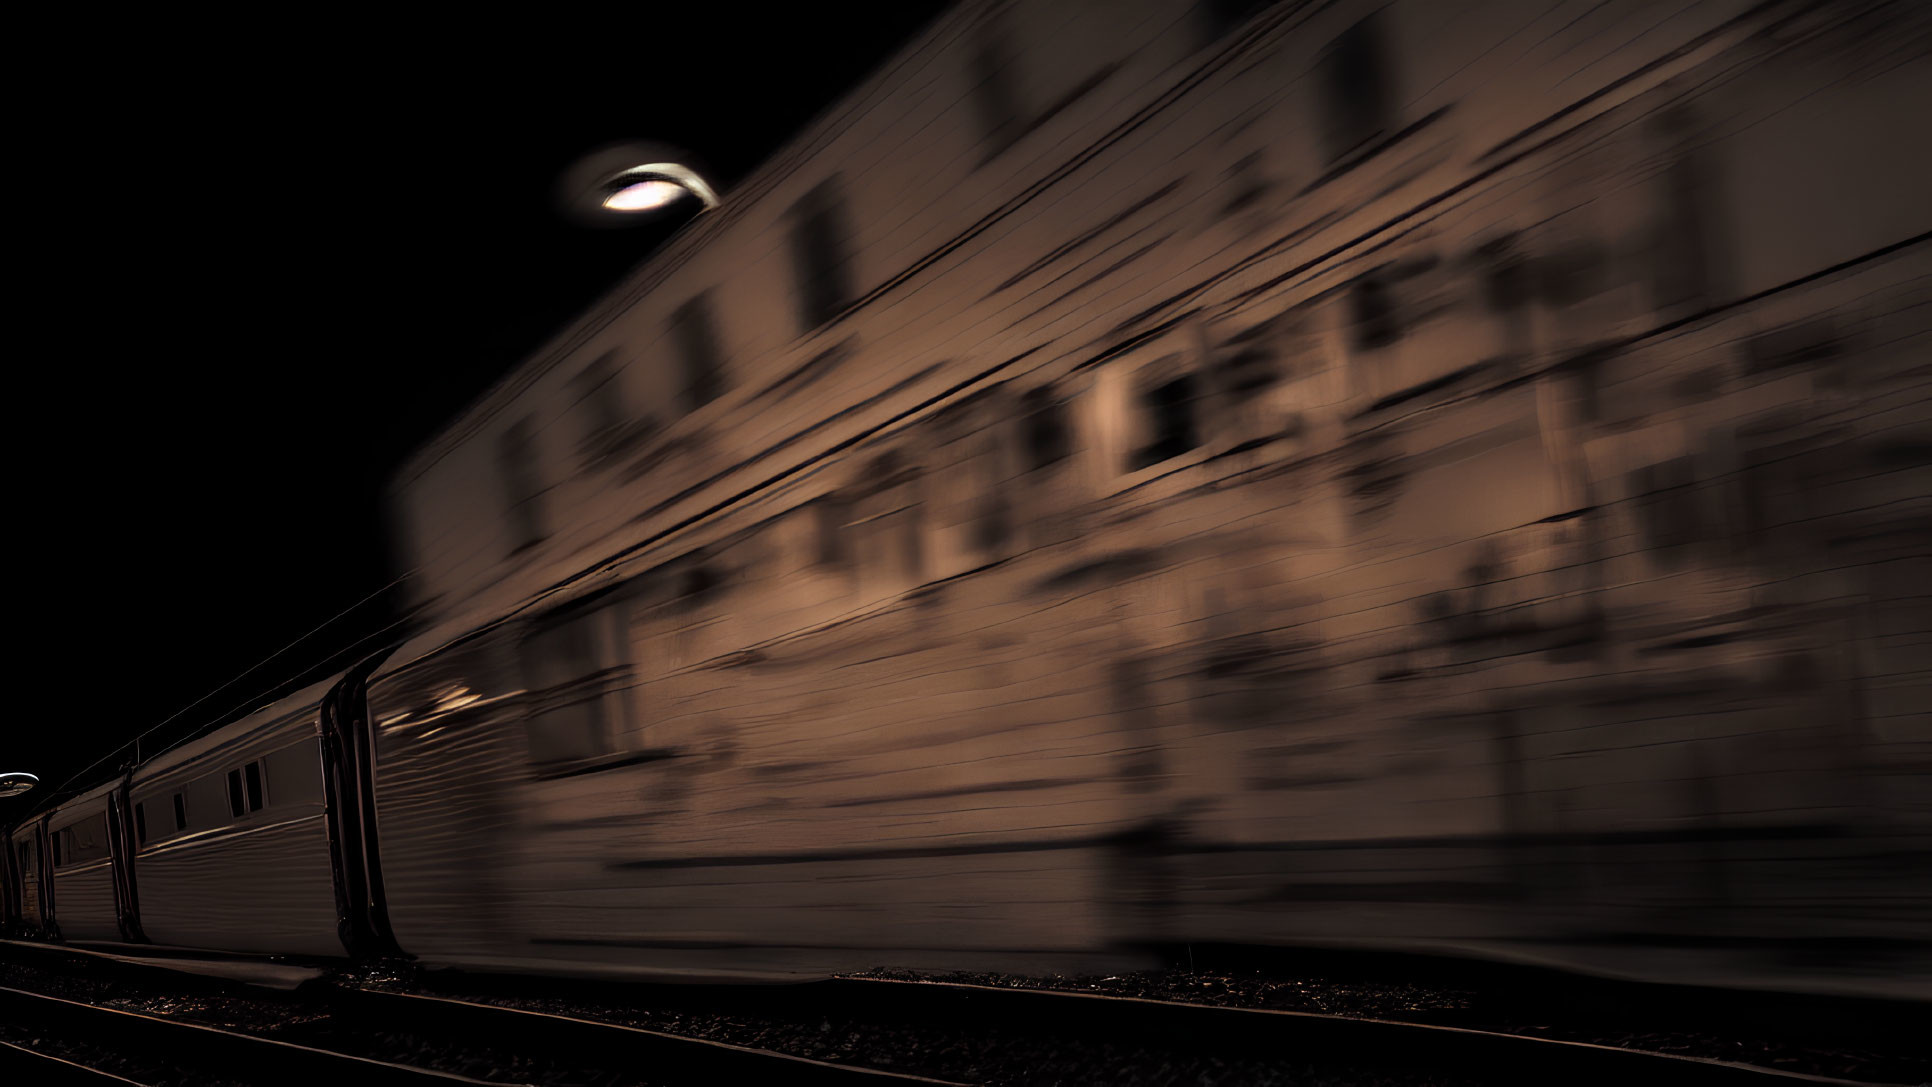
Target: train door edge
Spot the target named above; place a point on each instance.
(10, 884)
(348, 780)
(123, 844)
(44, 839)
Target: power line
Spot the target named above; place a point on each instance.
(171, 718)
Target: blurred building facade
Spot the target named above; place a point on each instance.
(1350, 471)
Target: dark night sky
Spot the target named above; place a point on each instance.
(263, 273)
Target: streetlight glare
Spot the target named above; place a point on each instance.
(613, 186)
(644, 196)
(15, 784)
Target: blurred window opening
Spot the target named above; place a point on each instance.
(992, 525)
(236, 801)
(574, 669)
(601, 398)
(56, 853)
(890, 529)
(696, 335)
(1670, 511)
(252, 778)
(141, 824)
(1506, 282)
(1219, 17)
(1355, 80)
(1682, 275)
(831, 513)
(1047, 439)
(516, 466)
(994, 99)
(1169, 410)
(180, 812)
(1374, 313)
(819, 257)
(1251, 364)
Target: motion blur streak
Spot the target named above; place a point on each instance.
(1135, 473)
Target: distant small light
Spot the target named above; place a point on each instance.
(644, 195)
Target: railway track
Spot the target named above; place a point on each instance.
(672, 1057)
(520, 1046)
(181, 1051)
(1515, 1057)
(52, 1069)
(940, 1031)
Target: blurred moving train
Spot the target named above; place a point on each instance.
(1138, 473)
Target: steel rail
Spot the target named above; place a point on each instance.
(247, 1057)
(1307, 1034)
(50, 1070)
(615, 1044)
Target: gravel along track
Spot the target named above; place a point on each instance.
(987, 1056)
(900, 1031)
(147, 1069)
(860, 1022)
(300, 1019)
(1829, 1038)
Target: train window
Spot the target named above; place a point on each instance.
(831, 514)
(1683, 273)
(820, 261)
(1218, 17)
(1355, 76)
(1047, 439)
(180, 812)
(1169, 410)
(696, 335)
(245, 789)
(568, 666)
(141, 824)
(1374, 312)
(80, 842)
(606, 423)
(994, 99)
(516, 456)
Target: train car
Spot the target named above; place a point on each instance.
(1343, 502)
(86, 898)
(231, 834)
(1356, 472)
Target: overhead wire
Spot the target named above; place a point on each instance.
(58, 792)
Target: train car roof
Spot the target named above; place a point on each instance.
(259, 720)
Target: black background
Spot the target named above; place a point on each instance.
(265, 263)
